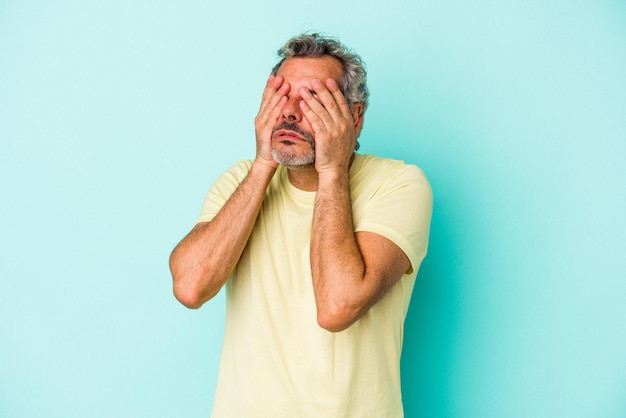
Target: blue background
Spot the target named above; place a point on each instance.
(116, 116)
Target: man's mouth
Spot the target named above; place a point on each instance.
(290, 133)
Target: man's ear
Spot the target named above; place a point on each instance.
(357, 117)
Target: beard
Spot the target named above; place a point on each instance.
(289, 158)
(293, 159)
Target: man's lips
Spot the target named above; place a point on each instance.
(289, 135)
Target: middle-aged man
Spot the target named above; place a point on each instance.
(318, 248)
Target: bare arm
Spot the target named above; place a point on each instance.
(351, 271)
(202, 262)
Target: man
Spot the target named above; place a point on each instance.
(317, 246)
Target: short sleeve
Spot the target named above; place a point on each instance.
(222, 190)
(400, 209)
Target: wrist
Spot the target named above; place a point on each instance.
(337, 168)
(265, 165)
(332, 178)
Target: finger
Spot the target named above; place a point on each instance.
(275, 111)
(314, 111)
(274, 99)
(272, 84)
(267, 117)
(327, 100)
(332, 98)
(275, 85)
(339, 97)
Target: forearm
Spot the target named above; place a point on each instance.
(338, 267)
(202, 262)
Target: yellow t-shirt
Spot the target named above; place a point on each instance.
(276, 360)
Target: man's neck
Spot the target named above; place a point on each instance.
(304, 178)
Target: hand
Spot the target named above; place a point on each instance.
(273, 100)
(334, 125)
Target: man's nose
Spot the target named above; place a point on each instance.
(291, 112)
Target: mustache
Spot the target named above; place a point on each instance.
(289, 126)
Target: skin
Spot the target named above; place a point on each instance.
(351, 271)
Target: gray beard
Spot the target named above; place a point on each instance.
(291, 159)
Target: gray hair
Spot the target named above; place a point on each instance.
(353, 81)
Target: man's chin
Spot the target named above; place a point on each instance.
(294, 160)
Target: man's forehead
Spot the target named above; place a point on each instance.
(322, 67)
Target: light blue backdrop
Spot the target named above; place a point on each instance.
(115, 117)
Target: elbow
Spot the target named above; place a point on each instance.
(335, 319)
(193, 289)
(189, 298)
(187, 289)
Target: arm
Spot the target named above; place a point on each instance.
(202, 262)
(351, 271)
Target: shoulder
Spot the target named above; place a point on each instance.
(241, 167)
(229, 180)
(370, 162)
(235, 173)
(372, 169)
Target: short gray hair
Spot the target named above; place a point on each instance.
(353, 81)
